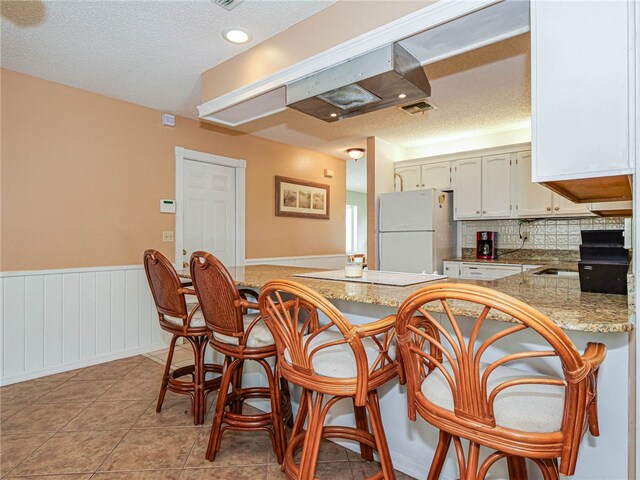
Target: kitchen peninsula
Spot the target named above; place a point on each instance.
(583, 316)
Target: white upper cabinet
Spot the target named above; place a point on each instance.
(582, 89)
(496, 186)
(436, 175)
(467, 188)
(531, 199)
(410, 178)
(566, 208)
(431, 175)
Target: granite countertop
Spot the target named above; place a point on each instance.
(559, 298)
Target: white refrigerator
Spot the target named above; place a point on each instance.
(416, 231)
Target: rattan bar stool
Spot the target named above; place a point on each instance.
(454, 385)
(239, 337)
(331, 362)
(181, 320)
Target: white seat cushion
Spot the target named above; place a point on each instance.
(528, 408)
(338, 361)
(196, 321)
(259, 336)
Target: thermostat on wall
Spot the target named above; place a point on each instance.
(167, 206)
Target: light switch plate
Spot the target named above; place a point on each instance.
(167, 236)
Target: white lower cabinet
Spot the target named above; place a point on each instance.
(452, 269)
(479, 271)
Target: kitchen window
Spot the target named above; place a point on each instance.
(352, 228)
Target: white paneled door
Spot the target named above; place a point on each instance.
(209, 197)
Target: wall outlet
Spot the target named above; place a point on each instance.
(524, 236)
(167, 236)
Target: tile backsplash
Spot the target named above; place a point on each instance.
(544, 234)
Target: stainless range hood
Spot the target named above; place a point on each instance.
(386, 77)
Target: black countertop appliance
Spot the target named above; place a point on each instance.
(604, 262)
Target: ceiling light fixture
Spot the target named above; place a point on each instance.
(236, 35)
(402, 95)
(333, 115)
(355, 153)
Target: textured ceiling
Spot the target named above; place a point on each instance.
(483, 91)
(149, 52)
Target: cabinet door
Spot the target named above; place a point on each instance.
(578, 49)
(410, 178)
(467, 188)
(566, 208)
(496, 186)
(451, 269)
(436, 175)
(531, 199)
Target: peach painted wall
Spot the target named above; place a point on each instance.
(82, 175)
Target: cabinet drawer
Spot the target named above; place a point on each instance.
(488, 272)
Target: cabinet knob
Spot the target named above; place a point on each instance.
(484, 211)
(548, 209)
(478, 212)
(184, 252)
(557, 208)
(417, 185)
(423, 184)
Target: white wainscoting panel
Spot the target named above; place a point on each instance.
(58, 320)
(331, 262)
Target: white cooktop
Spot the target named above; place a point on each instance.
(376, 277)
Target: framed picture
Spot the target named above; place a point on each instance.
(299, 198)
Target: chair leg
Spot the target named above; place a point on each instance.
(301, 417)
(517, 467)
(285, 398)
(440, 456)
(366, 452)
(236, 405)
(471, 469)
(311, 445)
(203, 398)
(198, 379)
(165, 376)
(276, 413)
(373, 405)
(228, 368)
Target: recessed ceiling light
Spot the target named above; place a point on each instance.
(236, 35)
(402, 95)
(333, 115)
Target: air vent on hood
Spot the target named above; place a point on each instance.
(387, 77)
(228, 4)
(418, 107)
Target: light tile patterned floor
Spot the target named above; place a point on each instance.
(100, 423)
